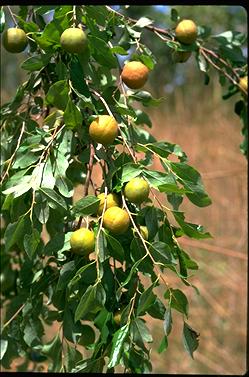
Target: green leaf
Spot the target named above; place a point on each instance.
(65, 186)
(30, 242)
(130, 171)
(53, 350)
(58, 94)
(163, 345)
(202, 63)
(19, 189)
(119, 50)
(191, 180)
(146, 299)
(102, 52)
(55, 201)
(164, 149)
(33, 332)
(87, 302)
(146, 98)
(190, 339)
(4, 346)
(15, 232)
(35, 63)
(178, 300)
(79, 274)
(161, 252)
(141, 332)
(86, 206)
(167, 323)
(2, 20)
(191, 230)
(118, 345)
(142, 118)
(72, 357)
(24, 160)
(174, 15)
(72, 115)
(143, 21)
(116, 248)
(157, 310)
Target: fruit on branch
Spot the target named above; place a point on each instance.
(243, 83)
(112, 200)
(104, 129)
(15, 40)
(88, 335)
(186, 32)
(135, 74)
(144, 232)
(181, 56)
(82, 241)
(117, 316)
(73, 40)
(137, 190)
(116, 220)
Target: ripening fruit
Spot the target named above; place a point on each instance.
(73, 40)
(112, 200)
(144, 232)
(116, 220)
(104, 129)
(135, 74)
(181, 56)
(15, 40)
(137, 190)
(88, 335)
(82, 241)
(186, 32)
(243, 83)
(117, 317)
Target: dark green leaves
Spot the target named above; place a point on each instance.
(58, 95)
(146, 299)
(190, 339)
(117, 345)
(102, 52)
(55, 201)
(86, 206)
(2, 20)
(191, 230)
(92, 300)
(72, 115)
(177, 300)
(35, 63)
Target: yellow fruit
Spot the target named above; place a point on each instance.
(117, 317)
(104, 129)
(15, 40)
(135, 74)
(116, 220)
(186, 32)
(137, 190)
(73, 40)
(112, 200)
(243, 83)
(181, 56)
(82, 241)
(88, 335)
(144, 232)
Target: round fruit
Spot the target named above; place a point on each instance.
(137, 190)
(82, 241)
(104, 129)
(135, 74)
(116, 220)
(112, 200)
(15, 40)
(243, 83)
(181, 56)
(144, 232)
(117, 317)
(186, 32)
(73, 40)
(88, 335)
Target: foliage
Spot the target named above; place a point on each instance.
(46, 153)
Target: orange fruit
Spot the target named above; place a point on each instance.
(73, 40)
(181, 56)
(116, 220)
(112, 200)
(15, 40)
(82, 241)
(104, 129)
(243, 83)
(135, 74)
(137, 190)
(186, 32)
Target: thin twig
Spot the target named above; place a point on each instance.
(13, 317)
(12, 16)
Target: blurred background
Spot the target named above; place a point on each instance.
(195, 117)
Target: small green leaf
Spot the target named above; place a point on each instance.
(64, 186)
(86, 206)
(30, 242)
(116, 249)
(118, 345)
(161, 253)
(178, 300)
(167, 323)
(174, 15)
(53, 350)
(163, 345)
(58, 94)
(72, 115)
(130, 171)
(4, 346)
(35, 63)
(146, 299)
(190, 339)
(2, 20)
(87, 302)
(143, 21)
(191, 230)
(54, 200)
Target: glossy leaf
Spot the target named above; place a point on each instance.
(190, 339)
(117, 345)
(86, 206)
